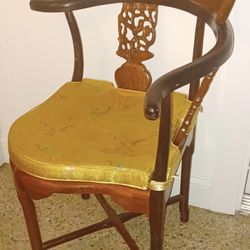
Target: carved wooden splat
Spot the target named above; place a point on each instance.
(136, 25)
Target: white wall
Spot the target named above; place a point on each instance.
(36, 58)
(233, 135)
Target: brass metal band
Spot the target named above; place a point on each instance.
(161, 185)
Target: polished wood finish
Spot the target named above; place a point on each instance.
(190, 72)
(220, 9)
(117, 223)
(160, 172)
(133, 199)
(185, 181)
(30, 218)
(197, 52)
(107, 223)
(77, 44)
(184, 129)
(157, 104)
(157, 213)
(182, 133)
(136, 25)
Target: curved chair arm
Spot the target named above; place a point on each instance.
(183, 75)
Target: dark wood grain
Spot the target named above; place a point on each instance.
(107, 223)
(197, 52)
(184, 129)
(157, 104)
(220, 9)
(117, 223)
(77, 45)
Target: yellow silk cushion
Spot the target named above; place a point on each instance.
(93, 132)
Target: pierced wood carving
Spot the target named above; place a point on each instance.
(136, 26)
(183, 131)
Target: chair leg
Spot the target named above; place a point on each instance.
(31, 219)
(185, 182)
(157, 209)
(117, 223)
(85, 196)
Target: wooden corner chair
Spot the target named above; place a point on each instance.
(93, 138)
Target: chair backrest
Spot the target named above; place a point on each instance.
(137, 22)
(137, 32)
(220, 9)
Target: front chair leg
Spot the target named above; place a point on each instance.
(185, 182)
(157, 211)
(31, 219)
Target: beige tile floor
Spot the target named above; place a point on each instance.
(62, 213)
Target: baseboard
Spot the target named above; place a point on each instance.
(4, 156)
(200, 190)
